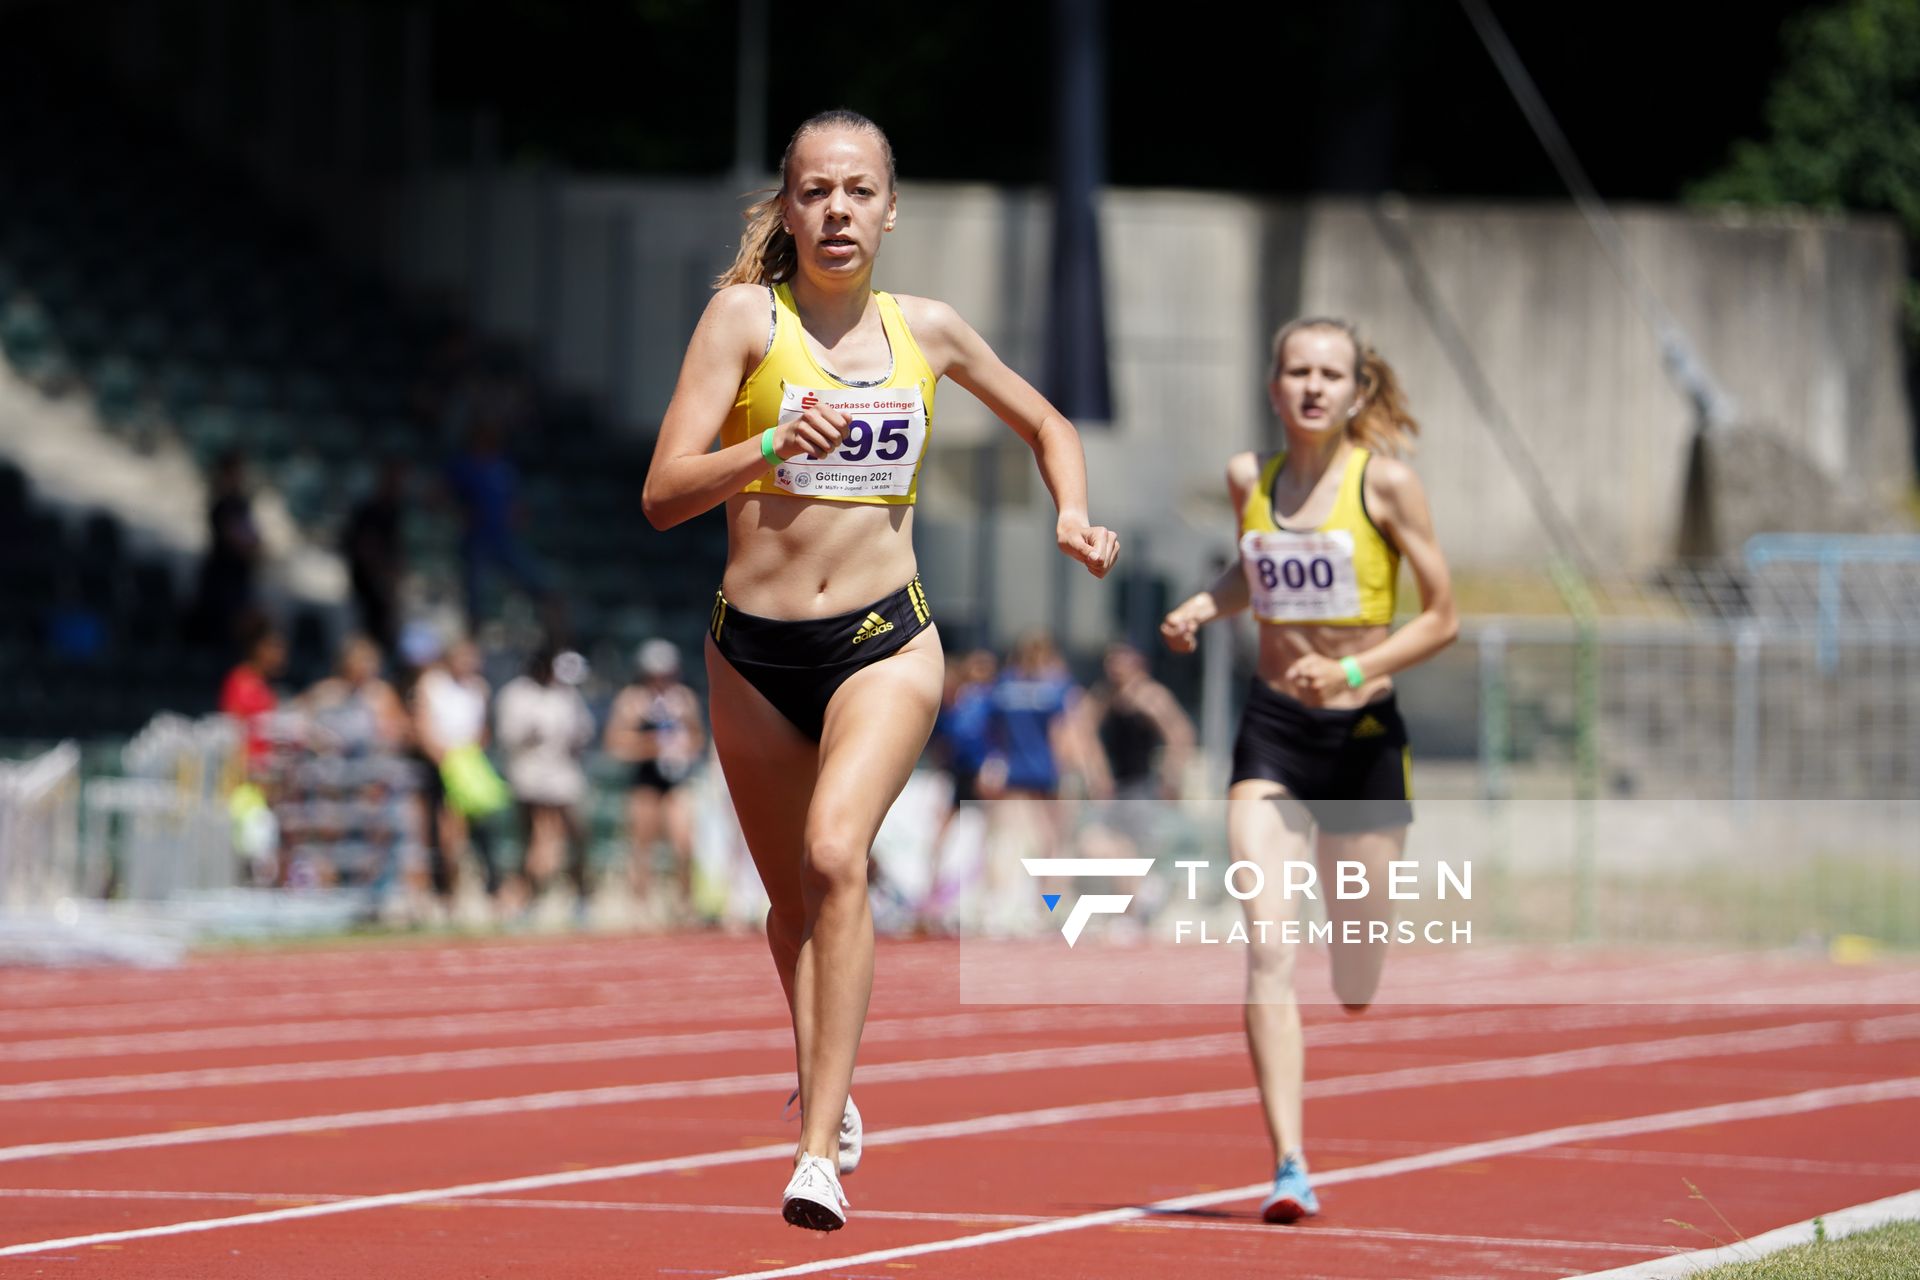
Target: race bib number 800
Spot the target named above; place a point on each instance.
(1301, 576)
(881, 450)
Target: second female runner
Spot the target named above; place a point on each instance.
(1320, 765)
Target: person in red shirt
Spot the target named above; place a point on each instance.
(246, 695)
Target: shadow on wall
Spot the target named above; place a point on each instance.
(1744, 480)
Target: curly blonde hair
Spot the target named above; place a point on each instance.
(1384, 423)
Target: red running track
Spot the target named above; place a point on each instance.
(601, 1107)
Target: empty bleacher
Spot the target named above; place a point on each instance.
(192, 313)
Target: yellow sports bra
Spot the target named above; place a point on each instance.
(879, 461)
(1342, 574)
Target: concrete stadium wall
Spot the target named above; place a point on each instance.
(1796, 316)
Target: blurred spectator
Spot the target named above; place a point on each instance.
(349, 784)
(655, 726)
(963, 742)
(964, 729)
(75, 630)
(27, 337)
(1033, 729)
(544, 728)
(486, 488)
(247, 694)
(358, 708)
(375, 555)
(450, 712)
(1146, 737)
(226, 590)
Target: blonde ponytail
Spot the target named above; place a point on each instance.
(1384, 423)
(767, 253)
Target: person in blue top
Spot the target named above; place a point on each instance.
(965, 722)
(1029, 719)
(486, 487)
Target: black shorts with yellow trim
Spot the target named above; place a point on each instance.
(798, 665)
(1348, 765)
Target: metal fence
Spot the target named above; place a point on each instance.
(1740, 739)
(163, 828)
(39, 829)
(1727, 753)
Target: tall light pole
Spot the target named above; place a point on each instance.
(750, 96)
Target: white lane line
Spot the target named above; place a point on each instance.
(1841, 1222)
(379, 975)
(1723, 1113)
(759, 1210)
(1768, 1164)
(512, 1022)
(1181, 1049)
(1469, 1023)
(1389, 1027)
(321, 1031)
(623, 1014)
(878, 1031)
(1629, 1053)
(1322, 1231)
(217, 1010)
(1790, 1104)
(1676, 1159)
(672, 1164)
(1480, 975)
(213, 1010)
(1895, 1027)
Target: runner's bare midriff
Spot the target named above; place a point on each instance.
(1283, 645)
(792, 558)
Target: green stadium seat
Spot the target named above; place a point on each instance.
(182, 385)
(209, 430)
(117, 382)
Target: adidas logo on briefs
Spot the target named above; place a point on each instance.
(872, 625)
(1368, 728)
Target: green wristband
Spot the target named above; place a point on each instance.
(766, 448)
(1355, 676)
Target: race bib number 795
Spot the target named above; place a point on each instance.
(881, 450)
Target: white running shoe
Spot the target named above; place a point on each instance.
(852, 1137)
(852, 1133)
(813, 1198)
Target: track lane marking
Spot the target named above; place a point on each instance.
(454, 1025)
(1447, 1024)
(1159, 1049)
(1759, 1108)
(879, 1030)
(759, 1210)
(1722, 1113)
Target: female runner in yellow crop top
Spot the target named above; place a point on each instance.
(1324, 524)
(824, 668)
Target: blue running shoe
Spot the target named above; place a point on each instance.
(1292, 1199)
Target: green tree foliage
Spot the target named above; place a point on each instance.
(1844, 121)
